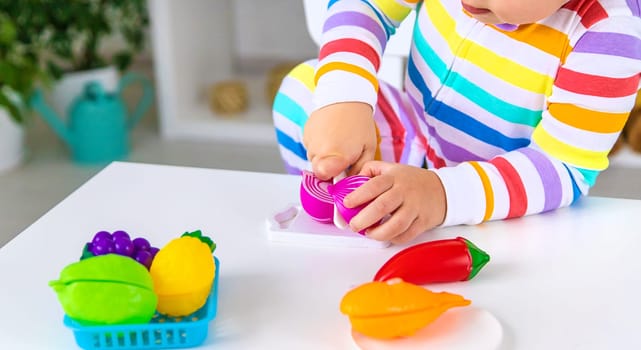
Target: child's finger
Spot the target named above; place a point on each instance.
(383, 205)
(328, 167)
(372, 168)
(368, 191)
(412, 232)
(397, 223)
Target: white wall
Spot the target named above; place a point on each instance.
(272, 29)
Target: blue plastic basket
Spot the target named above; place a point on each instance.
(161, 333)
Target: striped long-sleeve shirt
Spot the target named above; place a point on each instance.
(515, 122)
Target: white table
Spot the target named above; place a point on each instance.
(570, 279)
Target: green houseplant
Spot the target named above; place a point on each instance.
(65, 37)
(78, 34)
(19, 60)
(79, 28)
(20, 71)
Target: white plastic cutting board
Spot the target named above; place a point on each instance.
(293, 225)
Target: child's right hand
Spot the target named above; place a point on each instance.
(340, 136)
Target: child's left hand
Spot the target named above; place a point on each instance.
(413, 197)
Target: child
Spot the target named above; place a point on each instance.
(512, 106)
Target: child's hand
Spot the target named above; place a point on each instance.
(339, 136)
(413, 197)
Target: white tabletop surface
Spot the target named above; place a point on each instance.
(569, 279)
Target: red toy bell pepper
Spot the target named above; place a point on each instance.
(448, 260)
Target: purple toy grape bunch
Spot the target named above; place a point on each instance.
(120, 242)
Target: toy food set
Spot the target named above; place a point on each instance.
(395, 308)
(126, 294)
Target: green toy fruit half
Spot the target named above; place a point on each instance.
(106, 289)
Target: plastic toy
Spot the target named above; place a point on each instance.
(292, 225)
(341, 189)
(199, 235)
(106, 290)
(323, 199)
(161, 332)
(182, 273)
(448, 260)
(315, 199)
(394, 308)
(120, 243)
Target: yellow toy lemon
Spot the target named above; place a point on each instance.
(183, 272)
(395, 308)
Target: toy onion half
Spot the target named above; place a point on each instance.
(341, 189)
(315, 199)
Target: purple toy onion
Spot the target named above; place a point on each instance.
(315, 199)
(341, 189)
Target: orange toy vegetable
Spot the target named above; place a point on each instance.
(395, 308)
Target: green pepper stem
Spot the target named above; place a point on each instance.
(478, 256)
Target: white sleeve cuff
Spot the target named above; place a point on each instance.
(464, 194)
(340, 86)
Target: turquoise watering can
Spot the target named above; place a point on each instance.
(99, 124)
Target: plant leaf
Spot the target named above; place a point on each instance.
(122, 60)
(11, 107)
(7, 30)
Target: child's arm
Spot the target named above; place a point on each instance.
(354, 36)
(593, 92)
